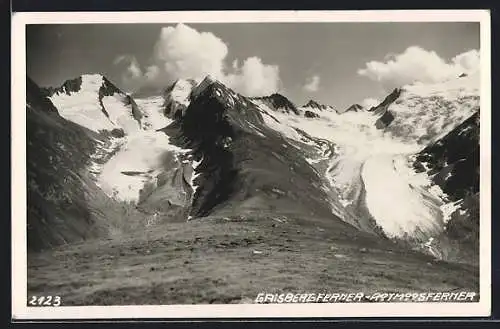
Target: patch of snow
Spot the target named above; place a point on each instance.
(194, 175)
(83, 107)
(119, 114)
(398, 207)
(179, 98)
(141, 153)
(449, 208)
(153, 108)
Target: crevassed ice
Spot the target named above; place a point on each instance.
(402, 202)
(83, 107)
(141, 154)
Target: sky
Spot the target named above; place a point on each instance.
(338, 64)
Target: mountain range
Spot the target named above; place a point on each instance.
(102, 163)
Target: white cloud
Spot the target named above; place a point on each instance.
(418, 64)
(254, 78)
(312, 83)
(182, 52)
(187, 53)
(152, 72)
(132, 71)
(468, 61)
(369, 103)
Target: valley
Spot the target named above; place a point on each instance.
(202, 195)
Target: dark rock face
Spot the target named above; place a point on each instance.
(382, 110)
(243, 170)
(391, 98)
(174, 109)
(310, 114)
(317, 106)
(36, 97)
(68, 87)
(454, 160)
(280, 103)
(107, 88)
(384, 120)
(57, 152)
(453, 164)
(354, 108)
(314, 104)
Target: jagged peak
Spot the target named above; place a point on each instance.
(88, 82)
(206, 82)
(389, 99)
(312, 103)
(280, 102)
(35, 94)
(354, 108)
(181, 83)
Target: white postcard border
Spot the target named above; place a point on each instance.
(18, 162)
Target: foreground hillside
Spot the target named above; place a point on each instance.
(231, 260)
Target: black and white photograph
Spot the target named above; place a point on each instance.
(218, 164)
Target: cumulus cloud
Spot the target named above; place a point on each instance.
(133, 69)
(369, 103)
(187, 53)
(182, 52)
(312, 83)
(152, 72)
(468, 61)
(418, 64)
(253, 78)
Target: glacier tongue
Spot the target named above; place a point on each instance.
(402, 210)
(96, 110)
(138, 161)
(153, 109)
(370, 160)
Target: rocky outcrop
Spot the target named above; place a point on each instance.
(310, 114)
(58, 152)
(452, 163)
(280, 103)
(354, 108)
(313, 105)
(385, 117)
(245, 166)
(94, 102)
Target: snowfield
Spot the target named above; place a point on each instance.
(404, 204)
(83, 107)
(401, 209)
(153, 109)
(137, 162)
(368, 164)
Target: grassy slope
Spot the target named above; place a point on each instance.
(214, 261)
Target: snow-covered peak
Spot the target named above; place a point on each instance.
(94, 79)
(278, 103)
(450, 89)
(312, 104)
(426, 112)
(92, 101)
(354, 108)
(177, 97)
(198, 89)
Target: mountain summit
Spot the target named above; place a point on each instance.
(94, 102)
(201, 179)
(278, 102)
(312, 104)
